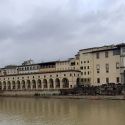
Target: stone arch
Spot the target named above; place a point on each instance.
(28, 84)
(33, 84)
(39, 83)
(45, 83)
(23, 84)
(78, 81)
(4, 85)
(51, 83)
(65, 83)
(18, 85)
(9, 85)
(57, 83)
(13, 85)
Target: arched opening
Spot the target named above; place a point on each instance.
(0, 85)
(23, 84)
(65, 83)
(78, 81)
(4, 85)
(45, 83)
(57, 83)
(34, 84)
(39, 83)
(9, 85)
(18, 85)
(28, 84)
(51, 83)
(13, 85)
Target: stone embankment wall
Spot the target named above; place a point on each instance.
(55, 95)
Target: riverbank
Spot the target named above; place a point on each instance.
(105, 97)
(55, 95)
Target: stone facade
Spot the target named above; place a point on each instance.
(93, 66)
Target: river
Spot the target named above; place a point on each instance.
(38, 111)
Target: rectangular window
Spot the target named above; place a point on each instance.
(81, 67)
(97, 55)
(106, 54)
(98, 80)
(107, 68)
(117, 65)
(107, 80)
(98, 71)
(117, 80)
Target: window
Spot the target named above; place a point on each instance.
(107, 80)
(88, 61)
(88, 67)
(97, 55)
(98, 71)
(88, 72)
(106, 54)
(81, 67)
(82, 80)
(117, 80)
(70, 74)
(84, 61)
(107, 68)
(81, 73)
(98, 80)
(81, 62)
(64, 74)
(117, 65)
(84, 67)
(84, 73)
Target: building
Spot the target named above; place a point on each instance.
(100, 65)
(91, 66)
(31, 78)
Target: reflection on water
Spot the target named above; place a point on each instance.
(30, 111)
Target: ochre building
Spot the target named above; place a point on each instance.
(91, 66)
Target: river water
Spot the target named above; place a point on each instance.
(31, 111)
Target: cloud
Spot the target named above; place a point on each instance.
(52, 30)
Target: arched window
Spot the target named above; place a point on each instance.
(39, 83)
(51, 84)
(34, 84)
(65, 83)
(23, 84)
(57, 83)
(18, 84)
(13, 85)
(45, 83)
(28, 84)
(9, 85)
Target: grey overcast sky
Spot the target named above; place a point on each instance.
(45, 30)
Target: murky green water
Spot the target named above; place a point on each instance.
(30, 111)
